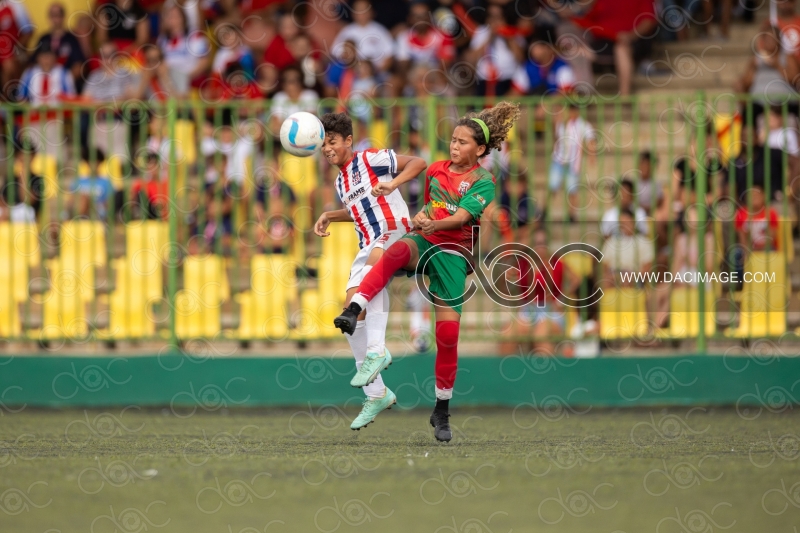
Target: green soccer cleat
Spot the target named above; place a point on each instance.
(371, 409)
(373, 365)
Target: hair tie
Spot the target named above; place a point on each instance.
(483, 126)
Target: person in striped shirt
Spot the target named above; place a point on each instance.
(457, 192)
(367, 186)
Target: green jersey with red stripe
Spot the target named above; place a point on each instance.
(446, 192)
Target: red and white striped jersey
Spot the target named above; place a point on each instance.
(373, 216)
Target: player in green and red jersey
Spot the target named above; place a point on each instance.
(456, 193)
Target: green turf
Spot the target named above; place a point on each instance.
(664, 471)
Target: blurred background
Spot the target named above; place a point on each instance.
(147, 204)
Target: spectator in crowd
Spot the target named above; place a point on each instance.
(90, 192)
(752, 165)
(518, 214)
(150, 193)
(496, 50)
(725, 12)
(423, 44)
(275, 209)
(187, 54)
(108, 84)
(291, 98)
(360, 97)
(788, 22)
(231, 50)
(302, 50)
(267, 80)
(69, 51)
(544, 317)
(621, 35)
(276, 49)
(545, 72)
(756, 222)
(16, 30)
(155, 81)
(341, 70)
(21, 197)
(649, 191)
(685, 171)
(46, 84)
(573, 136)
(625, 251)
(686, 262)
(776, 134)
(158, 142)
(373, 41)
(771, 74)
(610, 224)
(123, 22)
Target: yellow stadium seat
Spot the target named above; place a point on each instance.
(64, 313)
(580, 264)
(314, 320)
(334, 265)
(46, 166)
(130, 315)
(68, 273)
(264, 308)
(197, 306)
(684, 305)
(10, 325)
(299, 173)
(185, 142)
(86, 240)
(786, 242)
(20, 241)
(763, 301)
(147, 235)
(379, 134)
(623, 314)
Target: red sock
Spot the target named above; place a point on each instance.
(446, 353)
(392, 260)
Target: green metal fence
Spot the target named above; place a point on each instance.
(185, 220)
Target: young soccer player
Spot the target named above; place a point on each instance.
(367, 185)
(456, 193)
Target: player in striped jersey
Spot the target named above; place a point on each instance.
(367, 185)
(456, 193)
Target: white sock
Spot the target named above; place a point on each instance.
(358, 343)
(377, 319)
(443, 394)
(358, 298)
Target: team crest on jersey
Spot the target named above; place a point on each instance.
(356, 176)
(463, 187)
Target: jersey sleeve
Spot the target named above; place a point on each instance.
(478, 197)
(382, 161)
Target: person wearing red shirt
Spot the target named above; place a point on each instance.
(622, 32)
(422, 43)
(789, 24)
(151, 193)
(757, 227)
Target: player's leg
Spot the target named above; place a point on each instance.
(402, 255)
(378, 396)
(448, 323)
(448, 276)
(378, 357)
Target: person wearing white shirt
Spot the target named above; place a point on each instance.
(373, 41)
(626, 252)
(610, 224)
(497, 50)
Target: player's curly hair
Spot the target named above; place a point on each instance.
(499, 119)
(337, 123)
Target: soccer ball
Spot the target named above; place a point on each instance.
(302, 134)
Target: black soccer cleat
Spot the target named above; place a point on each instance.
(348, 319)
(440, 421)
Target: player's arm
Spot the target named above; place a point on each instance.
(324, 220)
(408, 168)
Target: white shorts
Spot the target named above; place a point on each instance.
(383, 242)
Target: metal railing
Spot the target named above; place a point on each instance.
(183, 220)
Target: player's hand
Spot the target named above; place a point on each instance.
(321, 225)
(418, 219)
(383, 189)
(427, 227)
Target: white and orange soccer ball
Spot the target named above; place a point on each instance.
(302, 134)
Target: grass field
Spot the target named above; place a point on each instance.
(691, 470)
